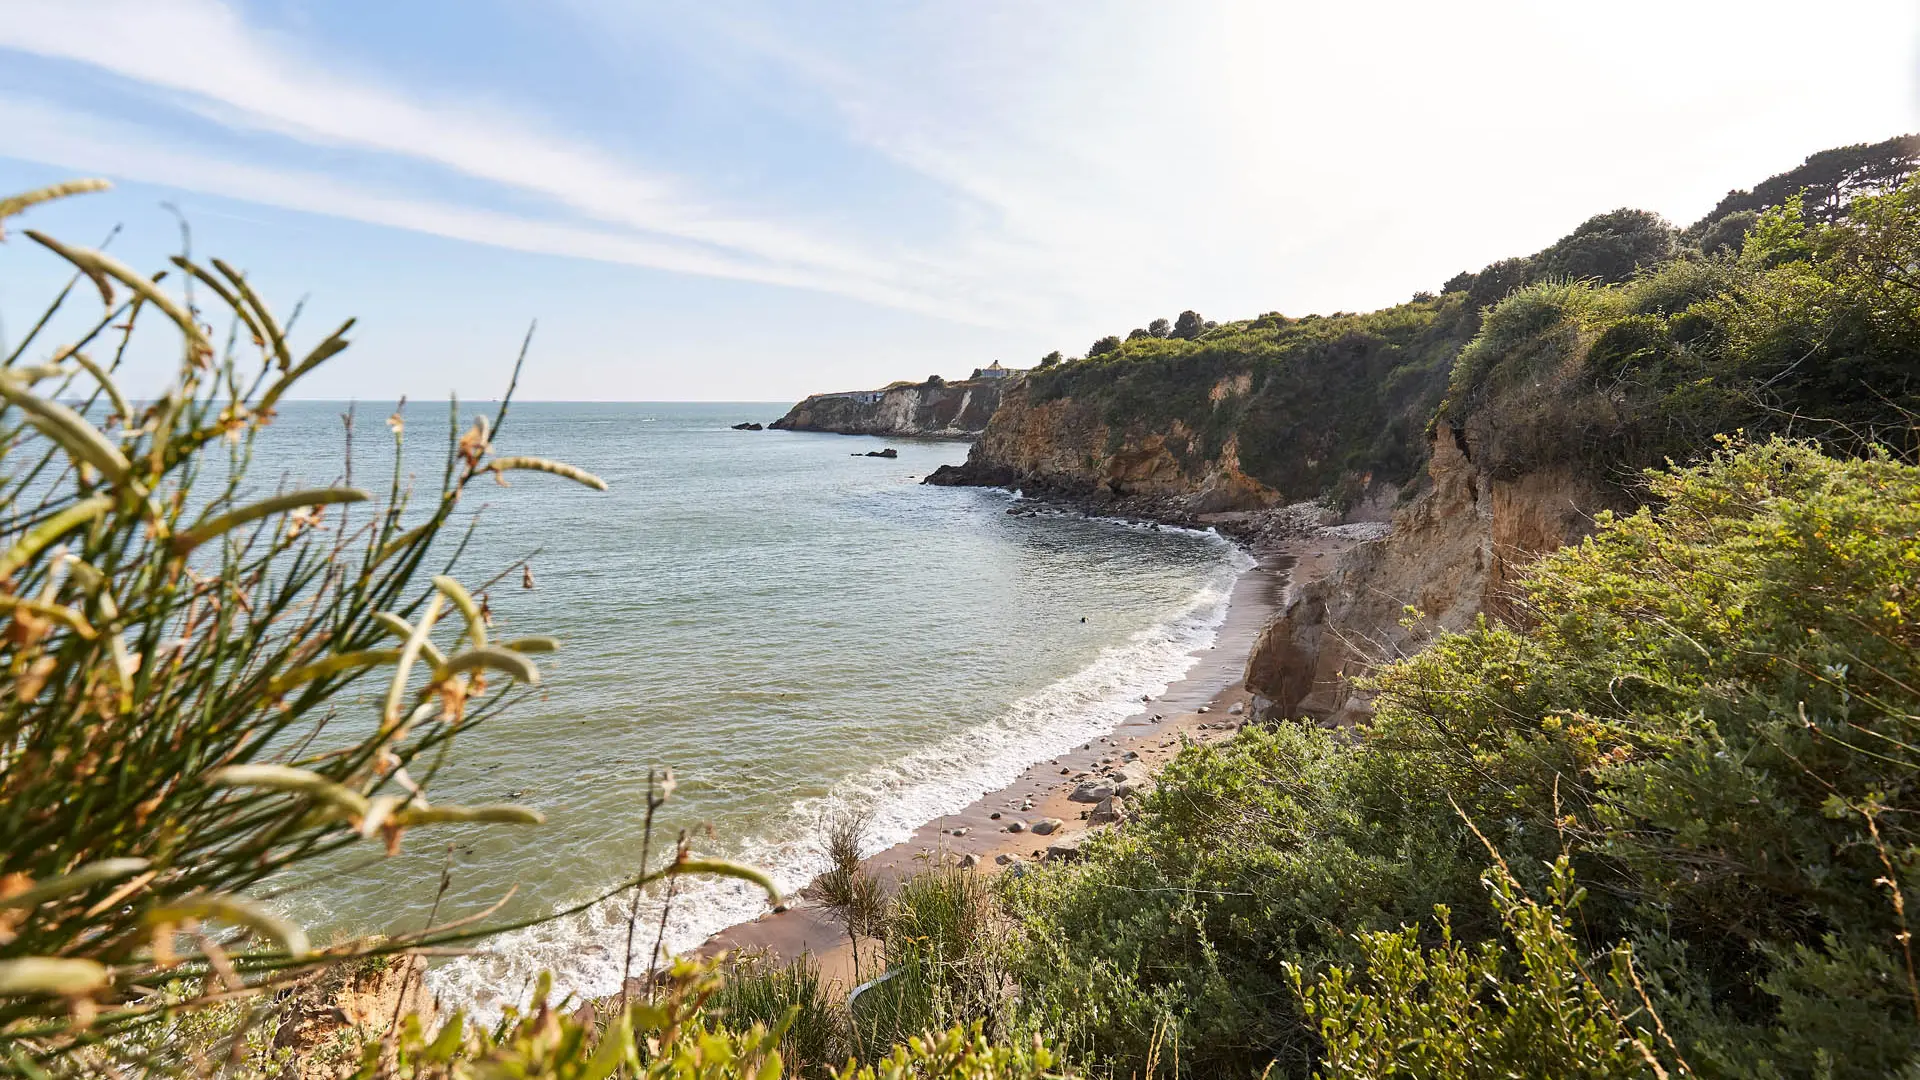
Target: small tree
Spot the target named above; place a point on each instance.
(1160, 328)
(851, 895)
(1050, 359)
(1105, 345)
(1189, 325)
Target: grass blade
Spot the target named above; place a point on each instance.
(292, 500)
(51, 529)
(557, 468)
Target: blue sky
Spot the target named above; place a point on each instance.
(756, 201)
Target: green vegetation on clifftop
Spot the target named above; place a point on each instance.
(1622, 344)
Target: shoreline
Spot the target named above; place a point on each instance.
(1198, 708)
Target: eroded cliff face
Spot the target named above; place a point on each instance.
(1064, 447)
(1453, 552)
(929, 410)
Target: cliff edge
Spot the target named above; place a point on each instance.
(932, 409)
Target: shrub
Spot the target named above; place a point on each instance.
(1714, 703)
(1165, 940)
(1708, 711)
(1458, 1013)
(1608, 248)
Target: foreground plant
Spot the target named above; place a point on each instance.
(677, 1036)
(175, 647)
(1458, 1013)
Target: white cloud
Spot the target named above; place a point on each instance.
(1135, 157)
(52, 135)
(1070, 170)
(205, 56)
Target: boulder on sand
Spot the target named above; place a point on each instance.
(1047, 825)
(1065, 850)
(1092, 791)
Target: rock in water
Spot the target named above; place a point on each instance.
(889, 452)
(748, 426)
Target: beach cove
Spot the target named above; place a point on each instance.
(995, 834)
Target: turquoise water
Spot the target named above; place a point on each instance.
(789, 626)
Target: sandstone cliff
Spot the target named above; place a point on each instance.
(1245, 416)
(933, 409)
(1065, 447)
(1453, 552)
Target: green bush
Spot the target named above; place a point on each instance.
(1715, 703)
(1167, 938)
(1710, 713)
(942, 963)
(1456, 1013)
(675, 1035)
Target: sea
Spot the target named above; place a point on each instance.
(794, 628)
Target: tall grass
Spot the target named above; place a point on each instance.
(175, 649)
(791, 997)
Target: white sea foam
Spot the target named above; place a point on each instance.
(586, 952)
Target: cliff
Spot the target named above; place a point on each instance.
(1499, 418)
(1243, 417)
(1452, 552)
(932, 409)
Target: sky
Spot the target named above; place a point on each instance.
(754, 201)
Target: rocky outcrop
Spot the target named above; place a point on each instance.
(1064, 447)
(325, 1021)
(932, 409)
(1453, 552)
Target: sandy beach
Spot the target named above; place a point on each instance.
(1199, 708)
